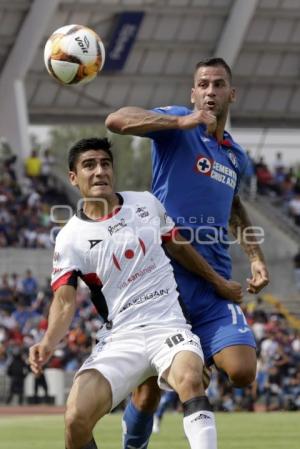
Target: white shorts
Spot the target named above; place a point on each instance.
(127, 358)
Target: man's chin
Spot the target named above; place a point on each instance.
(99, 193)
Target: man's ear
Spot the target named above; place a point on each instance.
(192, 96)
(73, 178)
(232, 95)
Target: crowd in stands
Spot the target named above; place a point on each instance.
(26, 200)
(24, 305)
(277, 385)
(280, 183)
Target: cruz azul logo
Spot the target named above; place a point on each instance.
(204, 165)
(217, 171)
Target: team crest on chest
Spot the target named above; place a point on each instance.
(216, 171)
(204, 165)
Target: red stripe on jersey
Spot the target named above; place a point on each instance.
(63, 280)
(107, 217)
(142, 246)
(170, 235)
(91, 279)
(116, 262)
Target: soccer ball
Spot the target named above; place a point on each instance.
(74, 54)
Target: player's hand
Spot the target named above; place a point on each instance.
(260, 277)
(231, 290)
(196, 118)
(39, 354)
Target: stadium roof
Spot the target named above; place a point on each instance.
(259, 38)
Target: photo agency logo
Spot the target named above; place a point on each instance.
(200, 230)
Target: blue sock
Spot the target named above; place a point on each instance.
(137, 428)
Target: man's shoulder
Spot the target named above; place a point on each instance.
(134, 196)
(237, 149)
(68, 230)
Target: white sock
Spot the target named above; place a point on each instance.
(200, 429)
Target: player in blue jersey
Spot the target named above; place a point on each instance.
(197, 168)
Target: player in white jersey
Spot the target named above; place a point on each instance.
(115, 245)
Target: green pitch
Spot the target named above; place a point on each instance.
(235, 431)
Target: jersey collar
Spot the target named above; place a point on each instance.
(80, 213)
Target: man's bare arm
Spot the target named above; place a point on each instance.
(138, 121)
(61, 313)
(239, 222)
(180, 250)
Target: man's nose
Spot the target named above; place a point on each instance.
(99, 169)
(211, 89)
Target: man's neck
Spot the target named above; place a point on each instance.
(96, 209)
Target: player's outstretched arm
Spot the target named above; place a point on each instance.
(137, 121)
(61, 313)
(239, 223)
(180, 250)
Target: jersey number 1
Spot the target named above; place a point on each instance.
(235, 311)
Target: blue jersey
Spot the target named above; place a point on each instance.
(196, 178)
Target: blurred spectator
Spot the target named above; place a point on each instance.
(265, 180)
(6, 294)
(40, 381)
(48, 162)
(278, 165)
(297, 269)
(273, 389)
(17, 370)
(249, 178)
(29, 287)
(33, 165)
(294, 205)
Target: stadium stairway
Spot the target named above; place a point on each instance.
(281, 242)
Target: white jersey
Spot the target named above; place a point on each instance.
(121, 259)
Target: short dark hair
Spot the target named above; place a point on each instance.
(213, 62)
(83, 145)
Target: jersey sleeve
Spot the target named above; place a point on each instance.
(65, 265)
(167, 225)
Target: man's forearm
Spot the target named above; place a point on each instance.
(132, 120)
(240, 223)
(190, 259)
(61, 314)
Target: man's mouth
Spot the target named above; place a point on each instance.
(100, 183)
(211, 103)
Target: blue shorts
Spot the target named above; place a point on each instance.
(229, 330)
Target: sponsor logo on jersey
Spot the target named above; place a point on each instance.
(219, 172)
(191, 343)
(137, 275)
(143, 298)
(94, 243)
(117, 227)
(243, 330)
(142, 212)
(56, 270)
(201, 417)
